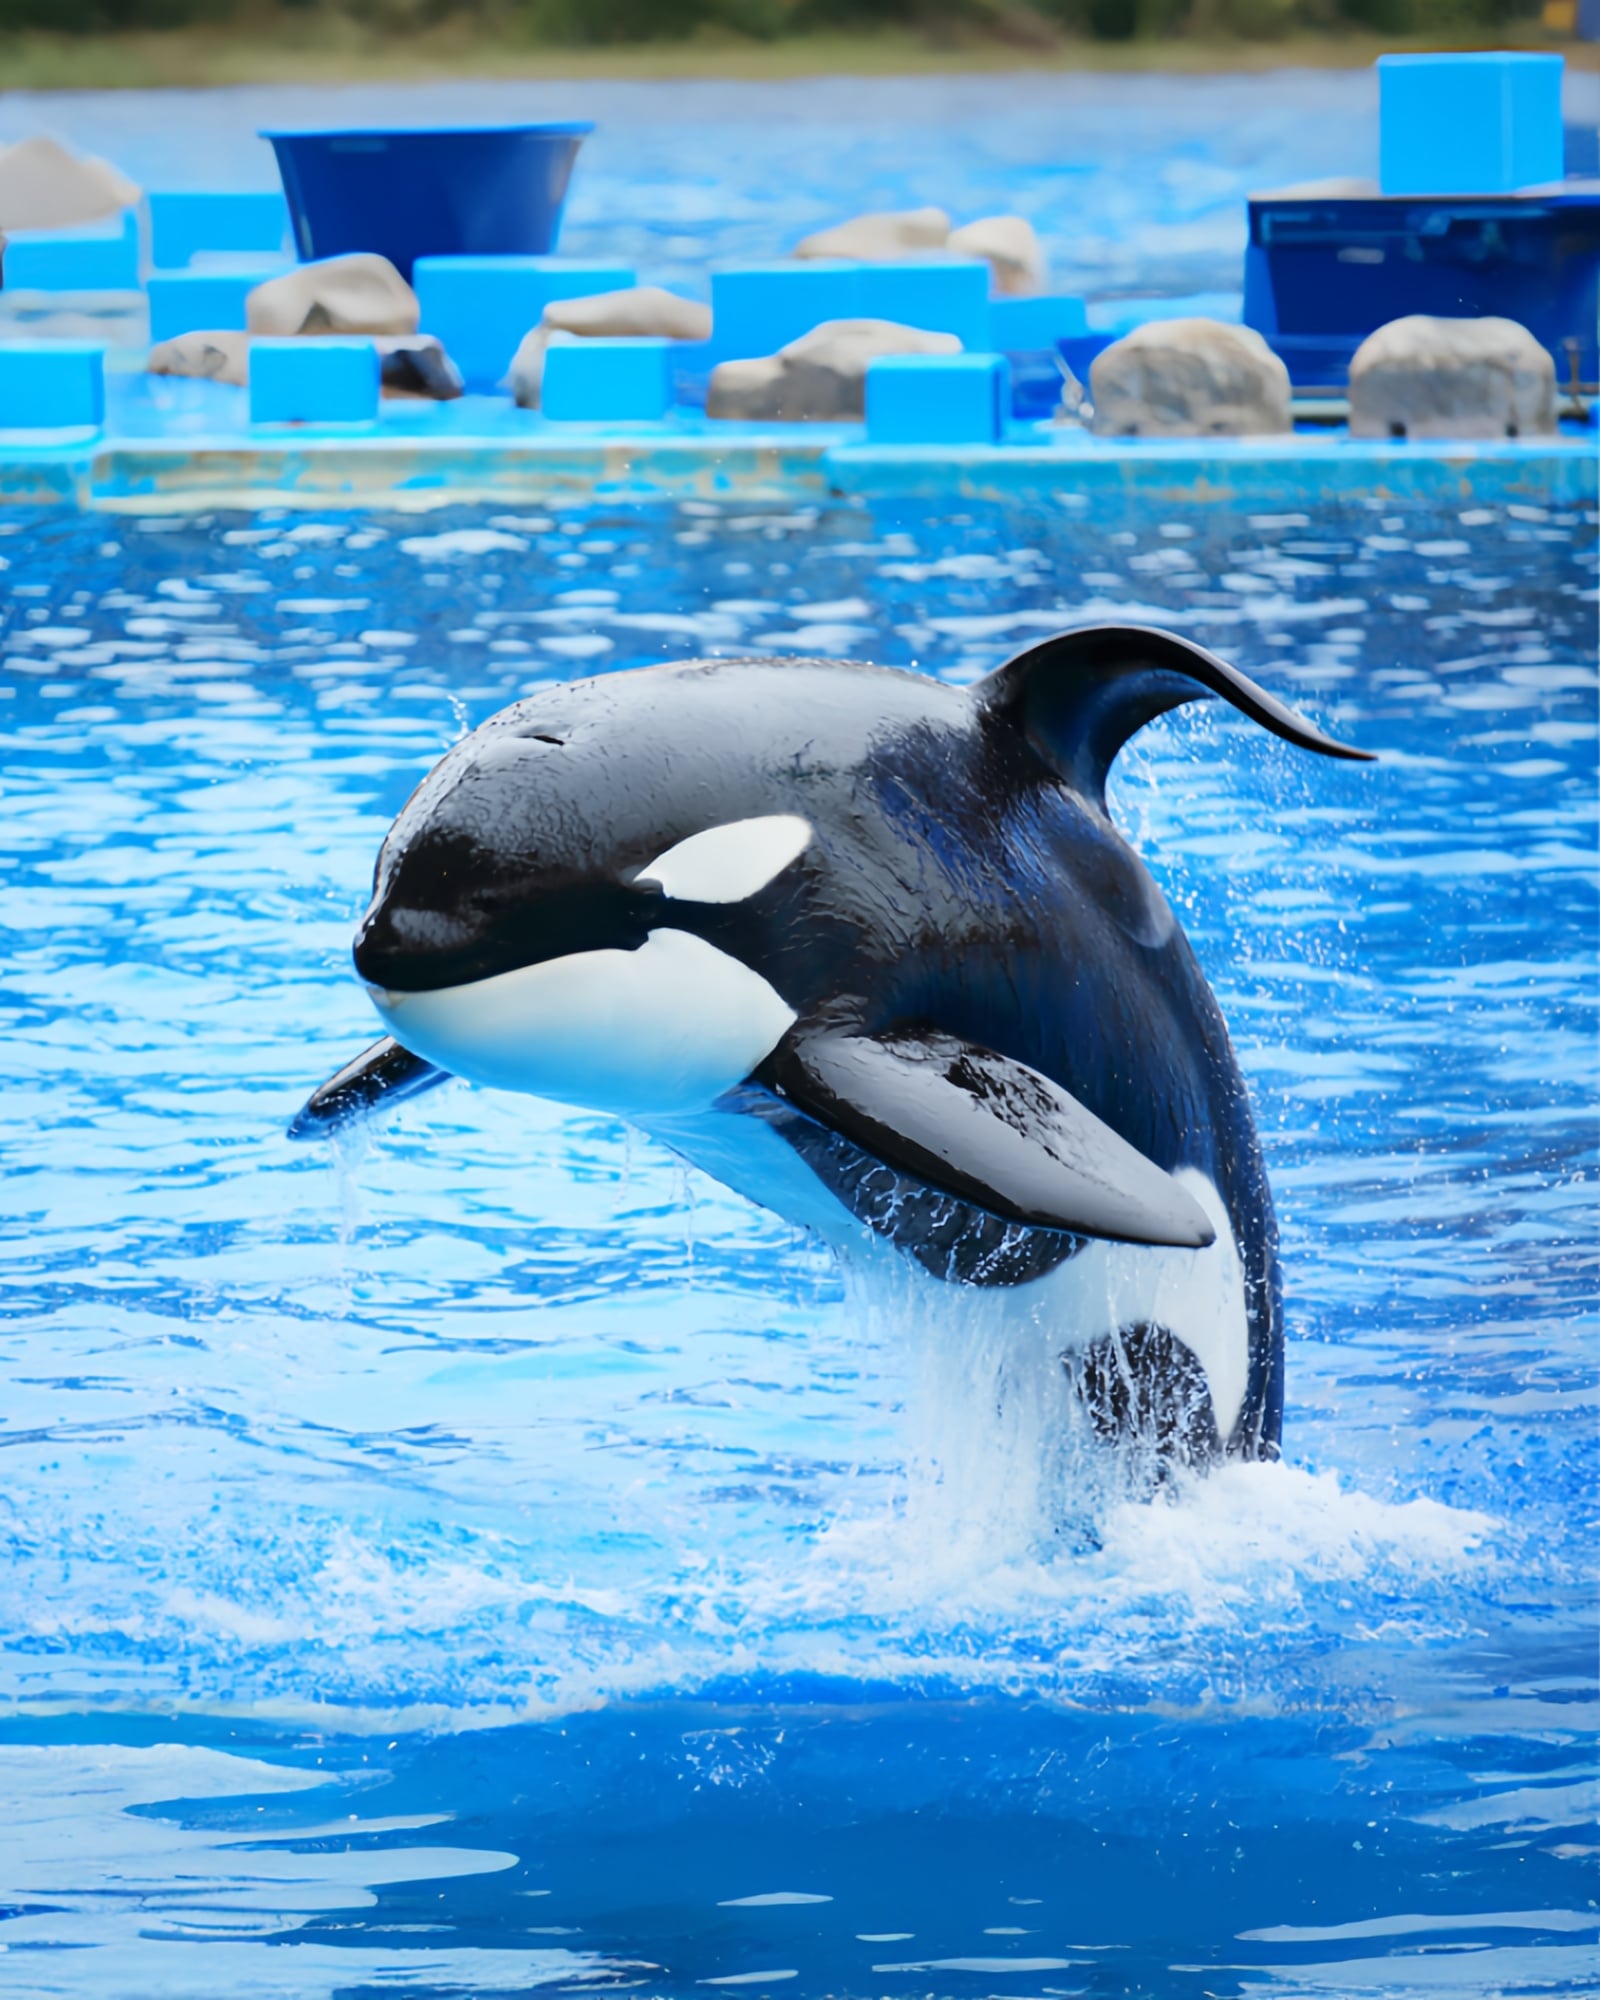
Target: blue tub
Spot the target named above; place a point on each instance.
(446, 191)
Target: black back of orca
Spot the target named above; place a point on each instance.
(965, 918)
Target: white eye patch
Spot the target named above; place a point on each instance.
(727, 863)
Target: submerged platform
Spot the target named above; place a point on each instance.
(170, 445)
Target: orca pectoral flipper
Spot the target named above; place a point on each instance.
(381, 1075)
(987, 1129)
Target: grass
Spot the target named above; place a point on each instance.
(301, 48)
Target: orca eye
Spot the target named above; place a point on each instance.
(728, 863)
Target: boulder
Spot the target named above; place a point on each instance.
(223, 356)
(410, 364)
(43, 186)
(634, 313)
(1421, 377)
(1189, 378)
(1013, 250)
(821, 376)
(881, 238)
(363, 293)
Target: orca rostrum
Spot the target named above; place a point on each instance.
(869, 948)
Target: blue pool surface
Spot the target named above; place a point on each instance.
(492, 1557)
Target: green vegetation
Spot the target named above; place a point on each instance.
(48, 44)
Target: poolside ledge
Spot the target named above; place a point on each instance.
(429, 455)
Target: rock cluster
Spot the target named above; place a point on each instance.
(43, 186)
(634, 313)
(1189, 378)
(1421, 377)
(410, 364)
(1008, 242)
(820, 376)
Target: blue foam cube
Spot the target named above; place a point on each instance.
(758, 308)
(313, 381)
(94, 257)
(185, 222)
(1468, 124)
(51, 384)
(202, 301)
(481, 307)
(616, 381)
(938, 398)
(1025, 326)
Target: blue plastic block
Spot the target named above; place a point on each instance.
(96, 257)
(1468, 124)
(613, 381)
(1023, 326)
(202, 301)
(313, 381)
(49, 384)
(758, 308)
(481, 307)
(938, 398)
(186, 222)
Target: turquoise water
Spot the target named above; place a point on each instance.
(495, 1556)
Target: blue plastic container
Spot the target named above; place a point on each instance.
(1480, 123)
(308, 381)
(481, 307)
(94, 257)
(493, 190)
(758, 308)
(938, 398)
(187, 222)
(51, 384)
(1320, 275)
(607, 381)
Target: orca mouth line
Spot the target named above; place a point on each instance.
(407, 949)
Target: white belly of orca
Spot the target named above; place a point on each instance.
(1197, 1295)
(659, 1031)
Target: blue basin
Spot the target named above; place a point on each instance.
(443, 191)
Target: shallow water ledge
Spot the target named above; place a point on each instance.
(437, 455)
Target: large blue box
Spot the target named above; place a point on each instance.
(481, 307)
(607, 381)
(185, 222)
(51, 384)
(758, 308)
(938, 398)
(313, 381)
(1469, 124)
(1026, 326)
(202, 301)
(94, 257)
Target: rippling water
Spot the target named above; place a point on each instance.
(496, 1556)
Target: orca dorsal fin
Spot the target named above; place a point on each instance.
(1079, 696)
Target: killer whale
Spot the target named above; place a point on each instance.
(869, 948)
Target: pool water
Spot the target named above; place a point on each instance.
(490, 1555)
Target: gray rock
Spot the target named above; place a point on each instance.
(637, 312)
(1421, 377)
(881, 237)
(1189, 378)
(1013, 250)
(43, 186)
(822, 376)
(223, 356)
(362, 293)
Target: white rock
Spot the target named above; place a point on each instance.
(1421, 377)
(885, 236)
(223, 356)
(43, 186)
(1011, 247)
(363, 293)
(820, 376)
(635, 313)
(1189, 378)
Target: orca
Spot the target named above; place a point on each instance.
(868, 948)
